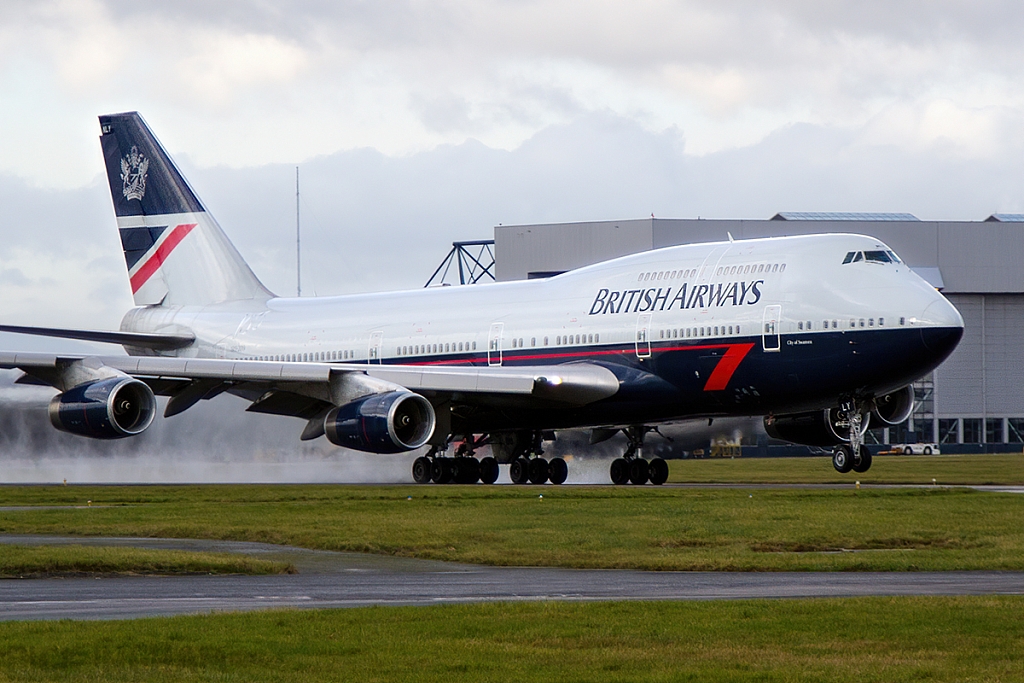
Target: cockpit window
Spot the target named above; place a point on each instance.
(877, 256)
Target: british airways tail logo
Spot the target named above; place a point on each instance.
(661, 298)
(134, 168)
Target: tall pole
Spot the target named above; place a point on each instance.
(298, 241)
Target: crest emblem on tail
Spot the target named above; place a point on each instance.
(134, 168)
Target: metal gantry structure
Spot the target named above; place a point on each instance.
(472, 267)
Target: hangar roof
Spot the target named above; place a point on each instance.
(841, 216)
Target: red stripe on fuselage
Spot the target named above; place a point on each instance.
(153, 263)
(725, 368)
(719, 379)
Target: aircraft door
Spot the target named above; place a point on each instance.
(770, 331)
(643, 336)
(376, 342)
(494, 343)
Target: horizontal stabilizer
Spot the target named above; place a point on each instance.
(146, 340)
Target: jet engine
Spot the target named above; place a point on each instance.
(823, 428)
(110, 408)
(382, 423)
(894, 408)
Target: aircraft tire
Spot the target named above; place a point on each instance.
(658, 471)
(558, 471)
(466, 470)
(488, 470)
(863, 463)
(619, 471)
(639, 471)
(539, 471)
(842, 459)
(519, 471)
(421, 470)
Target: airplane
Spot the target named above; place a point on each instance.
(818, 334)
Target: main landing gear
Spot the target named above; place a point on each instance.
(529, 467)
(464, 468)
(631, 468)
(853, 455)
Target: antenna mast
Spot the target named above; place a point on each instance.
(298, 241)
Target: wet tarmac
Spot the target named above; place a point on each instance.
(331, 579)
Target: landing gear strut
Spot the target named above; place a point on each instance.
(632, 467)
(854, 455)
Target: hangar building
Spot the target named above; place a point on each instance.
(975, 397)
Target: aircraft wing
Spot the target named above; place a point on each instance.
(570, 384)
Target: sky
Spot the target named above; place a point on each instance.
(417, 123)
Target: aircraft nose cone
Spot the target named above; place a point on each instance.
(944, 330)
(941, 340)
(941, 313)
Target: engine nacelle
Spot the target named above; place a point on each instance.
(894, 408)
(823, 428)
(110, 408)
(382, 423)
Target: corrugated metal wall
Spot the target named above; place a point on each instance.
(985, 375)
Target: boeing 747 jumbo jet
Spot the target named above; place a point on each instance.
(820, 334)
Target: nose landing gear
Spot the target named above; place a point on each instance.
(632, 467)
(854, 455)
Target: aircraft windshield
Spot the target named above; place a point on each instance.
(877, 256)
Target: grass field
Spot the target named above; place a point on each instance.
(49, 561)
(609, 527)
(878, 639)
(1007, 469)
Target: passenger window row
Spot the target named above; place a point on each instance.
(751, 269)
(453, 347)
(699, 332)
(314, 357)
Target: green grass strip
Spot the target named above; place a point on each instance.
(69, 560)
(876, 639)
(947, 470)
(930, 528)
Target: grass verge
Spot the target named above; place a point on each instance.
(605, 527)
(73, 560)
(997, 469)
(890, 639)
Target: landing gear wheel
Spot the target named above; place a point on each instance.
(658, 471)
(862, 463)
(538, 471)
(639, 471)
(441, 471)
(558, 471)
(488, 470)
(842, 459)
(519, 471)
(620, 471)
(421, 470)
(466, 470)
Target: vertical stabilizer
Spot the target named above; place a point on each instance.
(175, 251)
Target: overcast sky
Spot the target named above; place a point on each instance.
(418, 123)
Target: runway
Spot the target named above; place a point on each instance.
(328, 579)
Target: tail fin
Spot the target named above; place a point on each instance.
(175, 251)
